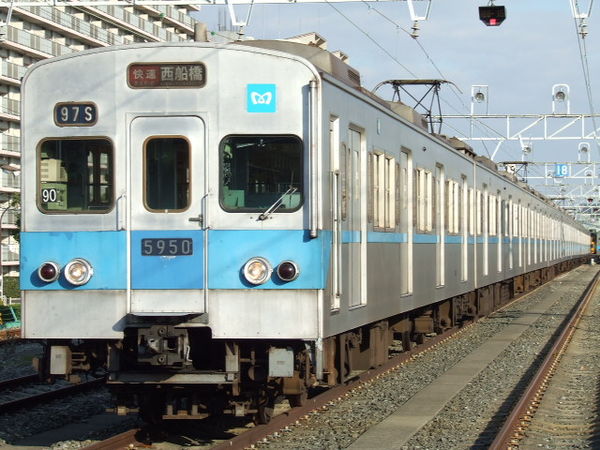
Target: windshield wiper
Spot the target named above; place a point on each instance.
(276, 204)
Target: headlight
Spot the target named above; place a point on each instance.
(78, 272)
(288, 271)
(257, 270)
(48, 271)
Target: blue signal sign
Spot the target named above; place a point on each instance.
(561, 170)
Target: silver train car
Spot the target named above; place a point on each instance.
(214, 226)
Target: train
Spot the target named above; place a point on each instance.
(217, 226)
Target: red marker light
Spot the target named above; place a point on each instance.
(288, 271)
(48, 271)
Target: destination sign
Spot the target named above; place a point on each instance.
(166, 75)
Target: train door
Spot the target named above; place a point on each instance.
(485, 230)
(336, 209)
(440, 198)
(405, 210)
(166, 196)
(511, 232)
(464, 248)
(353, 242)
(500, 229)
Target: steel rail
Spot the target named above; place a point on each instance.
(512, 431)
(120, 441)
(12, 382)
(50, 395)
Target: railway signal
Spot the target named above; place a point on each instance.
(492, 15)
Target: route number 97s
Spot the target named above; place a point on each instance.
(75, 114)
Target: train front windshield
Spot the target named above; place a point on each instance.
(257, 171)
(75, 175)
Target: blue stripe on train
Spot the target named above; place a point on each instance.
(104, 250)
(229, 250)
(167, 272)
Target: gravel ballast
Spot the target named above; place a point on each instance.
(474, 414)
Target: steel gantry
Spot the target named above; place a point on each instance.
(524, 128)
(574, 186)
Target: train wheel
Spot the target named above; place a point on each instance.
(151, 407)
(264, 415)
(296, 400)
(265, 408)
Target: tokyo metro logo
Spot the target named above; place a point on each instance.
(261, 98)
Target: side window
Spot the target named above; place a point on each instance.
(424, 181)
(492, 209)
(485, 202)
(383, 190)
(472, 211)
(453, 203)
(75, 176)
(479, 209)
(167, 174)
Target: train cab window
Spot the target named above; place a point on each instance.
(167, 174)
(75, 176)
(261, 173)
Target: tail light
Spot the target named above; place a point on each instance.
(48, 271)
(288, 271)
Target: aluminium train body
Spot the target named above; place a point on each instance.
(212, 226)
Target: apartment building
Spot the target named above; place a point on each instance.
(34, 33)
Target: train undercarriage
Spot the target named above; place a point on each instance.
(163, 371)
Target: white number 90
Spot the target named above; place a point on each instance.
(49, 195)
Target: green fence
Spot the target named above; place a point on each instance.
(10, 316)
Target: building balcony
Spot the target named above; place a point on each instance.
(11, 106)
(10, 145)
(10, 254)
(170, 15)
(10, 220)
(33, 45)
(68, 25)
(9, 182)
(131, 22)
(12, 73)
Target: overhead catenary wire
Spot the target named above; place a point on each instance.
(583, 56)
(371, 39)
(437, 69)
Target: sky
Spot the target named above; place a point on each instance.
(535, 48)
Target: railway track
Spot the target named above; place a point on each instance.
(559, 407)
(27, 391)
(288, 418)
(13, 382)
(127, 439)
(133, 438)
(442, 399)
(327, 402)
